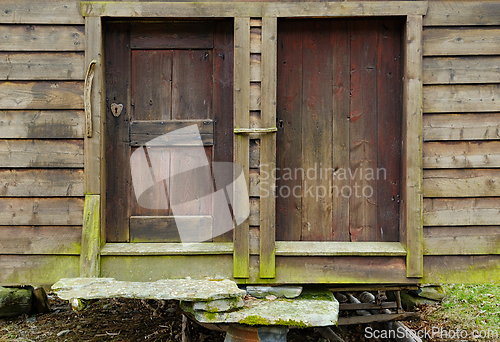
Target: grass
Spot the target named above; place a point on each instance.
(474, 308)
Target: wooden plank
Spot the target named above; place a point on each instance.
(462, 126)
(453, 41)
(255, 72)
(223, 116)
(462, 240)
(340, 142)
(335, 248)
(90, 263)
(461, 183)
(40, 12)
(255, 96)
(40, 183)
(411, 212)
(461, 269)
(166, 228)
(255, 22)
(389, 107)
(41, 124)
(117, 154)
(241, 257)
(34, 66)
(42, 38)
(289, 135)
(268, 148)
(461, 98)
(41, 153)
(363, 132)
(40, 240)
(41, 95)
(151, 84)
(462, 13)
(461, 154)
(461, 212)
(376, 318)
(453, 70)
(340, 270)
(144, 249)
(192, 84)
(317, 127)
(255, 40)
(37, 269)
(173, 35)
(94, 145)
(142, 132)
(41, 211)
(224, 9)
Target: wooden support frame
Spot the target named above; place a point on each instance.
(411, 218)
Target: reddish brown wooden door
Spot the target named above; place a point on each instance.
(174, 80)
(339, 137)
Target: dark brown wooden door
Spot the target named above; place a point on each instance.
(174, 80)
(339, 138)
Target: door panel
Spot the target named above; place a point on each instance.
(339, 137)
(170, 131)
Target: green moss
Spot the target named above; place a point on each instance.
(211, 316)
(255, 320)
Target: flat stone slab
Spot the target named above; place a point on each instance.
(278, 291)
(177, 289)
(308, 310)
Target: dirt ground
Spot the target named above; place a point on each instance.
(121, 320)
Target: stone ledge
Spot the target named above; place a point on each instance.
(167, 289)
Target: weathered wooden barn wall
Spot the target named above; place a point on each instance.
(41, 140)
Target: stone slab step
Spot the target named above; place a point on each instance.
(176, 289)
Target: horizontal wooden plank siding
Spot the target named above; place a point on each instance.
(16, 66)
(462, 13)
(461, 211)
(41, 211)
(461, 98)
(483, 126)
(41, 183)
(40, 12)
(41, 95)
(41, 153)
(41, 124)
(473, 240)
(42, 38)
(462, 183)
(461, 154)
(462, 269)
(37, 269)
(458, 41)
(464, 69)
(40, 240)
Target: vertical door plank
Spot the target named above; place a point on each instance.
(317, 130)
(268, 148)
(152, 84)
(341, 110)
(241, 256)
(90, 265)
(389, 105)
(192, 84)
(289, 135)
(117, 133)
(363, 132)
(223, 118)
(412, 217)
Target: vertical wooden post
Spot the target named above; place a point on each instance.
(91, 238)
(268, 147)
(241, 256)
(412, 217)
(93, 168)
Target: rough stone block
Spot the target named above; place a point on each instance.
(15, 302)
(220, 305)
(278, 291)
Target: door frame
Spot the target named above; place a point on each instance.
(411, 236)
